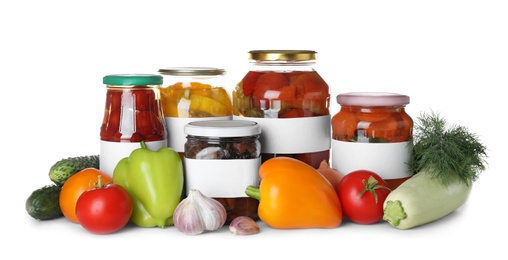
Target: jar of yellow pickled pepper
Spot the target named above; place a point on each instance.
(284, 94)
(132, 114)
(189, 94)
(372, 131)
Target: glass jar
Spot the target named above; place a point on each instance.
(132, 114)
(372, 131)
(284, 94)
(191, 93)
(222, 158)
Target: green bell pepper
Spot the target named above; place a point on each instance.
(154, 180)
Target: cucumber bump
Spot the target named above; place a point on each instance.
(65, 168)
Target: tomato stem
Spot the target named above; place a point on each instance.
(371, 186)
(99, 184)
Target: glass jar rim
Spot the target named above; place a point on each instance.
(192, 71)
(222, 128)
(282, 55)
(372, 99)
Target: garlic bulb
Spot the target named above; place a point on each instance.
(198, 213)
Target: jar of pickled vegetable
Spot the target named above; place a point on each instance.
(191, 93)
(372, 131)
(222, 158)
(132, 114)
(284, 94)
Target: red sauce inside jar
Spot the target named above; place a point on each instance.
(132, 115)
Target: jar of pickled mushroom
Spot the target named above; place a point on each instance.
(191, 93)
(372, 131)
(132, 114)
(284, 94)
(222, 158)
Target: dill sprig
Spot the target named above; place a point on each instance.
(444, 150)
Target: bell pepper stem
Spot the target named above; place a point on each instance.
(252, 192)
(143, 145)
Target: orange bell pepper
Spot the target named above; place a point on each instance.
(294, 195)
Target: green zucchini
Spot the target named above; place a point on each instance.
(423, 199)
(65, 168)
(445, 162)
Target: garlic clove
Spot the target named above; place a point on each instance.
(198, 213)
(243, 225)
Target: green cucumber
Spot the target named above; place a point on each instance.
(423, 199)
(44, 204)
(65, 168)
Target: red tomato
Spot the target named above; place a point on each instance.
(249, 82)
(268, 87)
(104, 209)
(362, 194)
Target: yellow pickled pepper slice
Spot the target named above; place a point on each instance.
(201, 104)
(170, 98)
(201, 89)
(222, 96)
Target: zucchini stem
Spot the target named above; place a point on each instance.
(394, 212)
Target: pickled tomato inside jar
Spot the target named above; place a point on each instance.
(372, 118)
(280, 94)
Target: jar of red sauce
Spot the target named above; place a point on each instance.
(222, 158)
(132, 114)
(372, 131)
(284, 94)
(189, 94)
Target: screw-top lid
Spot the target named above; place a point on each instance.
(132, 79)
(222, 128)
(192, 71)
(372, 99)
(282, 55)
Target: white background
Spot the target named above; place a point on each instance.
(448, 56)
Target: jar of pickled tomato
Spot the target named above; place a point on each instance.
(222, 158)
(132, 114)
(372, 131)
(189, 94)
(284, 94)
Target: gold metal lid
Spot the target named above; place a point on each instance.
(192, 71)
(282, 55)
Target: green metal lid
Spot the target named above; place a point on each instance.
(132, 79)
